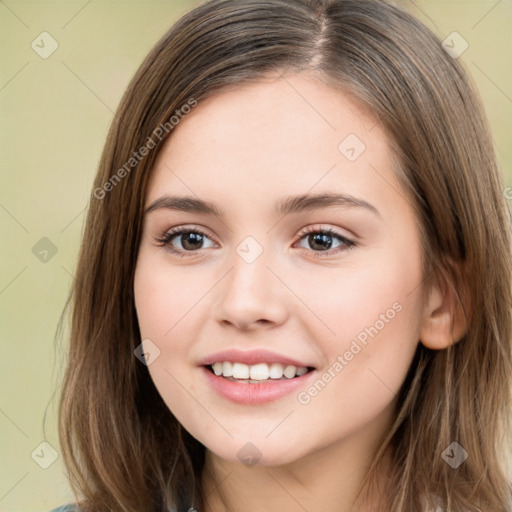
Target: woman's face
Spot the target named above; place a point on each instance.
(308, 257)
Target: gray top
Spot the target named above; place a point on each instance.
(74, 508)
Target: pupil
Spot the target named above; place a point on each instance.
(324, 241)
(191, 238)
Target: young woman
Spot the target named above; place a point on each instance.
(294, 287)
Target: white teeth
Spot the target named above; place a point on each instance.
(240, 371)
(260, 371)
(217, 368)
(227, 369)
(289, 371)
(276, 371)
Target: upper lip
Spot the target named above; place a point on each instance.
(251, 357)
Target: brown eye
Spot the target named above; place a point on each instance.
(323, 240)
(180, 240)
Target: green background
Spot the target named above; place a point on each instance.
(55, 113)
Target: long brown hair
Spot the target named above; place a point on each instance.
(124, 449)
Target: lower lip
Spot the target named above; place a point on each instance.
(252, 394)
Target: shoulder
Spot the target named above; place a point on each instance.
(66, 508)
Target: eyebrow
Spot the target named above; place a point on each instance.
(287, 206)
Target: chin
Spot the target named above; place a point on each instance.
(254, 453)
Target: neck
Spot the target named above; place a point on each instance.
(328, 479)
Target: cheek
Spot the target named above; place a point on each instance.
(162, 297)
(377, 329)
(352, 302)
(373, 312)
(171, 311)
(165, 302)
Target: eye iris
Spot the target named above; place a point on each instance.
(324, 241)
(188, 239)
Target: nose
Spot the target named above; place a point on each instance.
(251, 296)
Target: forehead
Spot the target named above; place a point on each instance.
(292, 132)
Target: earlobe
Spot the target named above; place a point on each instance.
(445, 319)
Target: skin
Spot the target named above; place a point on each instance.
(245, 149)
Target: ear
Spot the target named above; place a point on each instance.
(445, 317)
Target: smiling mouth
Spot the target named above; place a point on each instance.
(257, 373)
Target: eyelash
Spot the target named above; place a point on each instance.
(346, 243)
